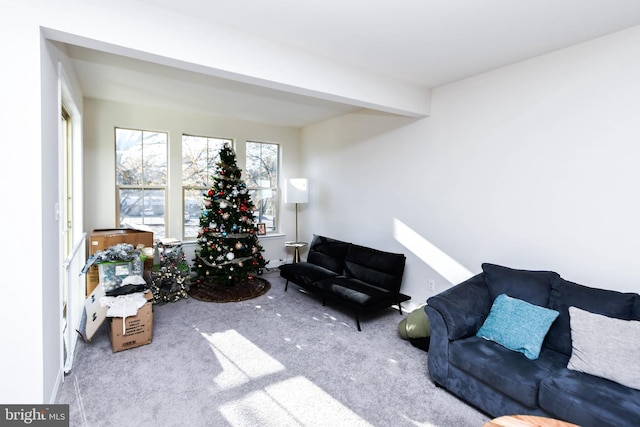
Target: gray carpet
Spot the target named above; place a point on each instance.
(281, 359)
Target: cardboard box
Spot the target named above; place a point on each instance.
(103, 239)
(138, 329)
(95, 314)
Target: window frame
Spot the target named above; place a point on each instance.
(186, 188)
(143, 187)
(274, 188)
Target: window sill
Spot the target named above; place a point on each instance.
(271, 236)
(263, 237)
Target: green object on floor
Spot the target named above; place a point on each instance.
(415, 325)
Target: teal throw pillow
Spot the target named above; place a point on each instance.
(517, 325)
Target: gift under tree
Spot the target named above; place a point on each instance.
(229, 251)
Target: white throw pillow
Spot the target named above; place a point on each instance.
(605, 347)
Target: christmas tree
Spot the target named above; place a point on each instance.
(229, 251)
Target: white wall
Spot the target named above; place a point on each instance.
(31, 309)
(21, 304)
(532, 166)
(102, 117)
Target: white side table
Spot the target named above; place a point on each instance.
(296, 249)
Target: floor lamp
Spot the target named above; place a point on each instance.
(296, 191)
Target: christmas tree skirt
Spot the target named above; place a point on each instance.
(240, 291)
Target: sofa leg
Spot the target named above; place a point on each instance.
(358, 321)
(286, 285)
(400, 308)
(324, 302)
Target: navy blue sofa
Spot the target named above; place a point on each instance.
(360, 278)
(499, 381)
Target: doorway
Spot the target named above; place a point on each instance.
(70, 217)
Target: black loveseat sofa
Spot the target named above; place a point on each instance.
(360, 278)
(584, 358)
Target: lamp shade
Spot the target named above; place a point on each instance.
(296, 191)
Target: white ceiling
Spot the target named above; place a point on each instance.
(426, 43)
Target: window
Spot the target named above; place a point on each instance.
(141, 174)
(199, 157)
(261, 177)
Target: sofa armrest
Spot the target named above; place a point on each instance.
(438, 360)
(463, 307)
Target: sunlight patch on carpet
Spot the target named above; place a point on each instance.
(418, 423)
(240, 359)
(293, 402)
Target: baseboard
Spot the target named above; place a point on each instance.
(54, 393)
(275, 263)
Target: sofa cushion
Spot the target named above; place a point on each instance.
(305, 274)
(517, 325)
(527, 285)
(355, 291)
(589, 401)
(503, 369)
(380, 269)
(635, 314)
(605, 347)
(600, 301)
(328, 253)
